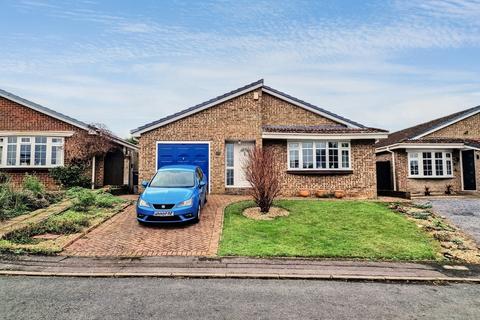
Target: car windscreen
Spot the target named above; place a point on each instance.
(173, 179)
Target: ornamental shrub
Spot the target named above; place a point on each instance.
(33, 184)
(71, 176)
(84, 200)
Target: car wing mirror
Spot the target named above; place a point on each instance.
(202, 183)
(145, 183)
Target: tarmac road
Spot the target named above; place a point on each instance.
(163, 298)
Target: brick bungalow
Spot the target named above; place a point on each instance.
(314, 148)
(435, 154)
(34, 139)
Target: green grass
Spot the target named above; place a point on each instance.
(335, 229)
(67, 222)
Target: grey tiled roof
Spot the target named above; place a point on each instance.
(319, 129)
(246, 87)
(468, 142)
(411, 132)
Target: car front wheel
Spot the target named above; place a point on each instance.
(197, 218)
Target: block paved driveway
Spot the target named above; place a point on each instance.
(464, 212)
(123, 236)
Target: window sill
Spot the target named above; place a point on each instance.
(238, 187)
(431, 177)
(319, 172)
(27, 167)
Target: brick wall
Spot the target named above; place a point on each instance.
(465, 129)
(241, 118)
(279, 112)
(416, 186)
(99, 170)
(468, 128)
(236, 119)
(15, 117)
(477, 168)
(361, 183)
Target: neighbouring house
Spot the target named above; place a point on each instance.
(315, 149)
(438, 155)
(34, 139)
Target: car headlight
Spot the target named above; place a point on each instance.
(143, 203)
(186, 203)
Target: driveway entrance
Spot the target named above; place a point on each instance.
(123, 236)
(464, 212)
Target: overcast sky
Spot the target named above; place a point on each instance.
(386, 64)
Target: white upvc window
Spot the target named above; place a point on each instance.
(31, 151)
(318, 155)
(230, 181)
(430, 164)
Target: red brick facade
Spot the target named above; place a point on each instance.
(241, 118)
(416, 186)
(18, 118)
(468, 128)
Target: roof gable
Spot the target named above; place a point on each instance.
(240, 91)
(44, 110)
(59, 116)
(426, 128)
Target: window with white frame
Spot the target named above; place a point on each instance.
(229, 164)
(426, 164)
(319, 155)
(37, 151)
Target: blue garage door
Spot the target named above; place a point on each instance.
(183, 153)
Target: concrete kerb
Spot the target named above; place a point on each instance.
(265, 276)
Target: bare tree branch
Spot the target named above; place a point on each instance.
(262, 175)
(88, 145)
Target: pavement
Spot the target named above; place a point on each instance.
(161, 298)
(462, 211)
(235, 267)
(123, 236)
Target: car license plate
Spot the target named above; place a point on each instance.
(163, 213)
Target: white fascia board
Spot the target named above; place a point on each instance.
(313, 136)
(125, 143)
(422, 146)
(301, 105)
(37, 133)
(137, 134)
(472, 148)
(446, 124)
(53, 115)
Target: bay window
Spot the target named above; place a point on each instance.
(319, 155)
(430, 164)
(38, 151)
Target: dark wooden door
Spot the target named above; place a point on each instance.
(113, 171)
(384, 176)
(468, 165)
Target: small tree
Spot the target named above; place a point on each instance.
(262, 175)
(97, 144)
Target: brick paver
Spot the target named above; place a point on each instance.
(123, 236)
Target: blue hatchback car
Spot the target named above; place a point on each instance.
(175, 194)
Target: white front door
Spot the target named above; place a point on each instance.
(235, 158)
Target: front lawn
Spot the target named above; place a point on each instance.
(336, 229)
